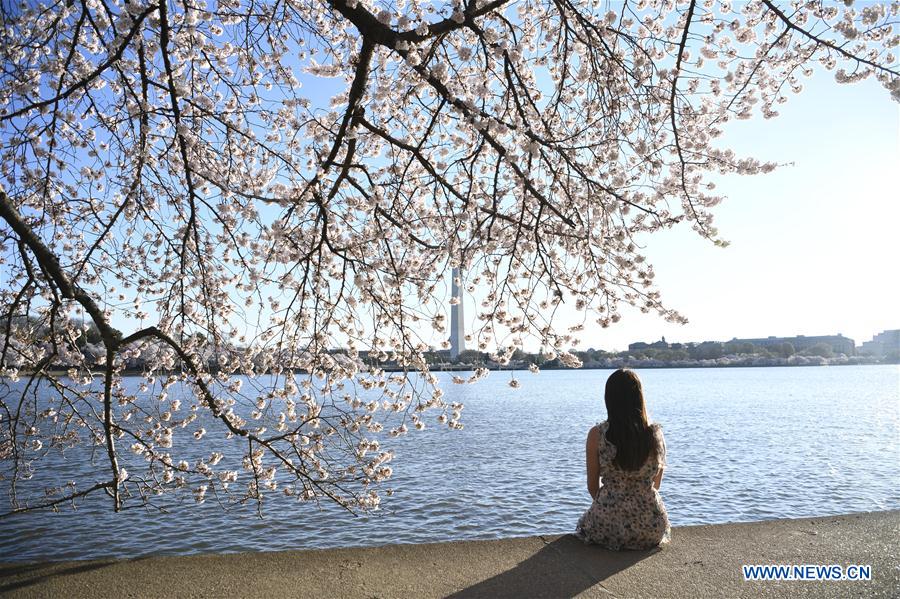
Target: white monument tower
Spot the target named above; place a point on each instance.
(457, 323)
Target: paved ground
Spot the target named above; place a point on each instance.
(701, 561)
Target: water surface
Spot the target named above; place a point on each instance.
(744, 444)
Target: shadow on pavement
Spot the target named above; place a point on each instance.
(17, 576)
(563, 568)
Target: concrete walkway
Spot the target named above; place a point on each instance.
(701, 561)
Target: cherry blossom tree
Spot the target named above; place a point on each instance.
(258, 202)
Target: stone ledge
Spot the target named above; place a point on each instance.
(701, 561)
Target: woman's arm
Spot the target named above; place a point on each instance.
(660, 454)
(593, 461)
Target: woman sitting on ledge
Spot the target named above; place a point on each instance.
(629, 454)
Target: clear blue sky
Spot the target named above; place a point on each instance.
(814, 246)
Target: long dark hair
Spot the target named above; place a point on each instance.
(629, 429)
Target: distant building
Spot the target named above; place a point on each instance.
(838, 343)
(882, 344)
(655, 345)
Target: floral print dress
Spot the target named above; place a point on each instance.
(628, 512)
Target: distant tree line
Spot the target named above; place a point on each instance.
(675, 353)
(87, 344)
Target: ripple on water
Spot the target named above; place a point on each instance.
(743, 444)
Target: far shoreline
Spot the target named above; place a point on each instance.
(472, 367)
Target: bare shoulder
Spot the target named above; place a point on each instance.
(593, 436)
